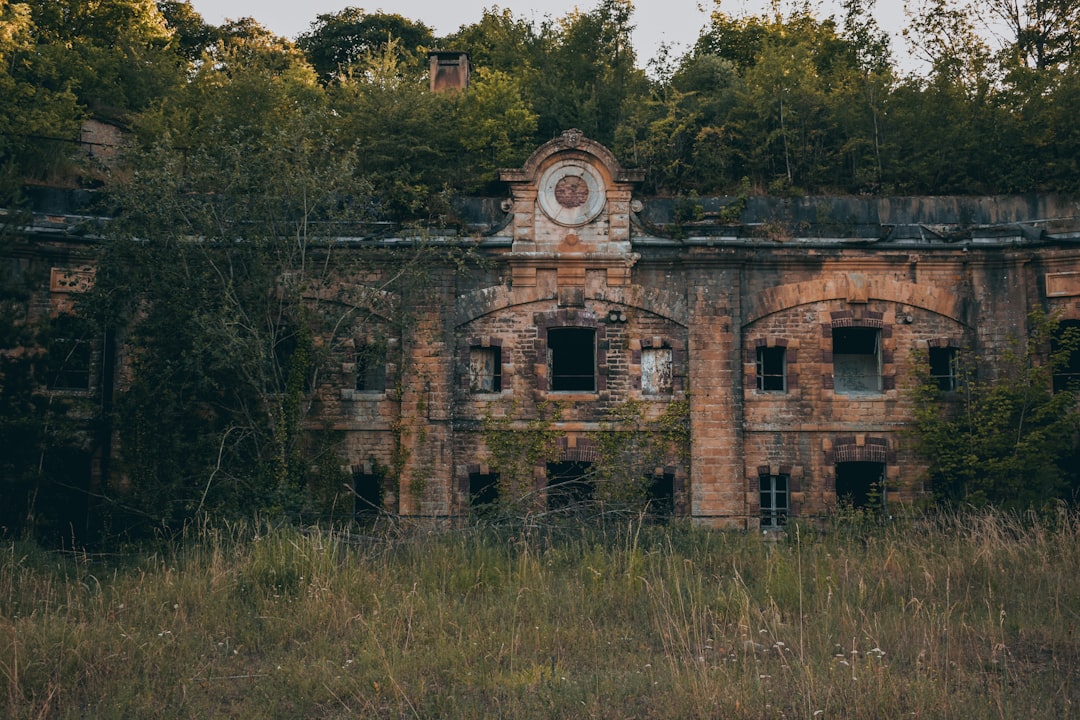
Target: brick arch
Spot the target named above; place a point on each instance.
(849, 449)
(786, 297)
(377, 302)
(583, 449)
(486, 301)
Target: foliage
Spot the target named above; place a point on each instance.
(1010, 441)
(339, 43)
(964, 616)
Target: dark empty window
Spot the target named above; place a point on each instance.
(1065, 355)
(860, 485)
(370, 369)
(943, 368)
(69, 364)
(570, 485)
(771, 369)
(661, 495)
(856, 360)
(483, 489)
(774, 500)
(572, 359)
(485, 369)
(656, 371)
(368, 494)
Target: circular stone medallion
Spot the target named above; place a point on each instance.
(571, 193)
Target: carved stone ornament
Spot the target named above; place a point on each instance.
(572, 137)
(571, 193)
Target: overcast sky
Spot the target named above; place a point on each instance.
(671, 21)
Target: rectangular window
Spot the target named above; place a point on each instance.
(370, 369)
(856, 360)
(943, 367)
(656, 371)
(771, 369)
(485, 369)
(69, 364)
(572, 359)
(1065, 355)
(774, 501)
(483, 489)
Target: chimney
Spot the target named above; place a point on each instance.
(448, 70)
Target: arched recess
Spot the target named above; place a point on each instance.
(662, 303)
(941, 301)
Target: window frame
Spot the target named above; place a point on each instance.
(944, 367)
(765, 368)
(772, 515)
(560, 369)
(849, 335)
(494, 379)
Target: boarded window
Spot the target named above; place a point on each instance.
(572, 359)
(944, 367)
(485, 370)
(856, 360)
(774, 500)
(656, 371)
(771, 369)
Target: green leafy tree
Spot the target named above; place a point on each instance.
(337, 42)
(1009, 441)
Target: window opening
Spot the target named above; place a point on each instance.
(569, 486)
(944, 364)
(370, 369)
(483, 489)
(368, 494)
(656, 371)
(485, 370)
(661, 496)
(856, 360)
(69, 364)
(860, 485)
(774, 501)
(1065, 355)
(772, 369)
(572, 359)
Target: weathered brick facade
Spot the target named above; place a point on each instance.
(793, 331)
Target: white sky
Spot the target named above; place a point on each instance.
(672, 21)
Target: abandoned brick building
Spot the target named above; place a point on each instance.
(790, 328)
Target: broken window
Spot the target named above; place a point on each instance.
(771, 369)
(944, 367)
(572, 359)
(569, 486)
(656, 371)
(367, 494)
(371, 368)
(485, 369)
(856, 360)
(860, 485)
(774, 501)
(483, 489)
(1065, 355)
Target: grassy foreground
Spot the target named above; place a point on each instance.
(968, 617)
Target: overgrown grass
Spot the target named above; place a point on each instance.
(966, 617)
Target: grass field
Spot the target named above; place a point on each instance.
(966, 617)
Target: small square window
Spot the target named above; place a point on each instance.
(572, 359)
(656, 371)
(774, 501)
(771, 369)
(943, 367)
(485, 370)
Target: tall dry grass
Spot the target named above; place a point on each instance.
(966, 617)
